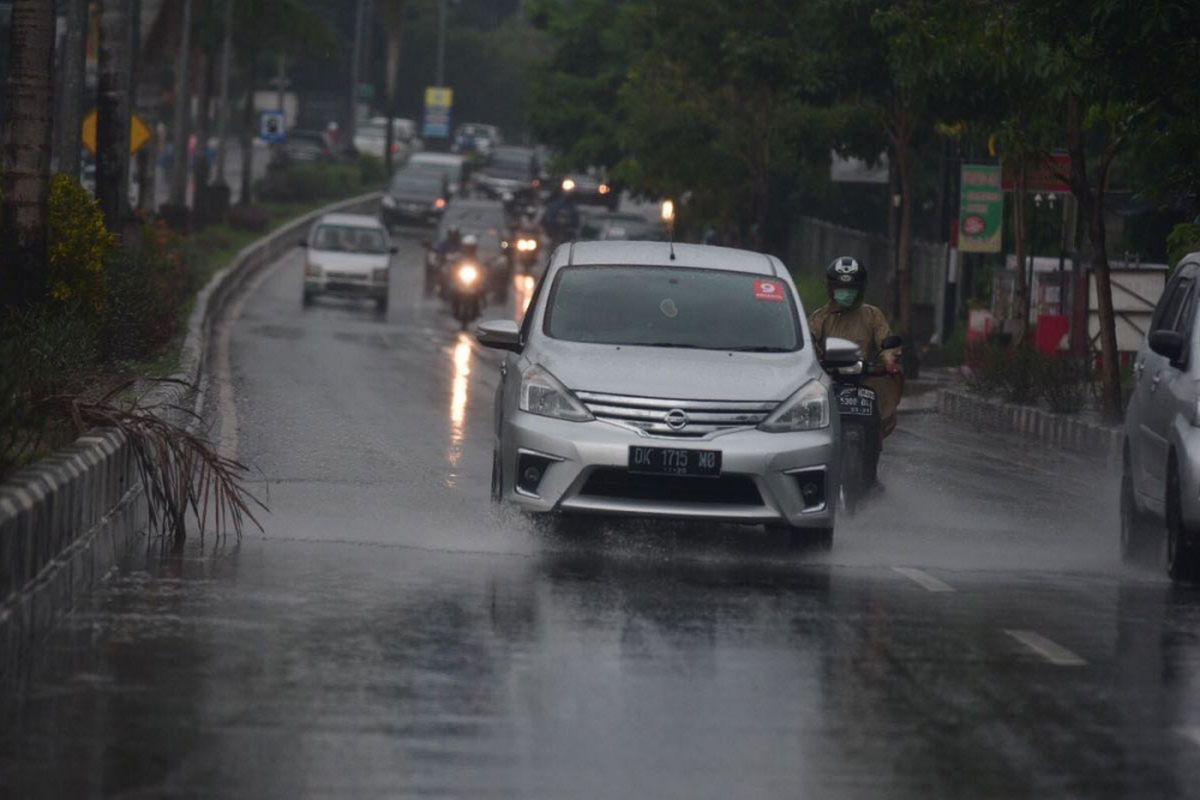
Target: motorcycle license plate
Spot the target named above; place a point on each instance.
(675, 461)
(856, 401)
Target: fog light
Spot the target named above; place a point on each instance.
(811, 483)
(531, 470)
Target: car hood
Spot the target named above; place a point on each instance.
(676, 374)
(347, 262)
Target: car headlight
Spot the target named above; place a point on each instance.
(312, 270)
(389, 201)
(806, 410)
(379, 275)
(542, 394)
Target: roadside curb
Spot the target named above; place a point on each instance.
(1049, 429)
(66, 521)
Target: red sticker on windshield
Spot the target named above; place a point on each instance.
(768, 290)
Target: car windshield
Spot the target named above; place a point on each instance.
(672, 307)
(350, 239)
(418, 184)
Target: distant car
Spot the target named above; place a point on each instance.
(509, 170)
(475, 138)
(304, 146)
(679, 384)
(413, 196)
(612, 226)
(370, 138)
(349, 255)
(450, 166)
(589, 189)
(1160, 476)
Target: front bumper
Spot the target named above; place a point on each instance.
(345, 287)
(585, 472)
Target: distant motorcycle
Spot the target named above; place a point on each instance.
(858, 407)
(464, 291)
(525, 253)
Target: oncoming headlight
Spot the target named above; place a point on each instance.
(542, 394)
(806, 410)
(467, 274)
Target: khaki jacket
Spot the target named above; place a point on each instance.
(866, 326)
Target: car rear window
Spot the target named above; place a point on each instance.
(673, 307)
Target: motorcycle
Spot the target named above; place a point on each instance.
(862, 433)
(464, 291)
(525, 253)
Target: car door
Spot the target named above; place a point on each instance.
(1155, 377)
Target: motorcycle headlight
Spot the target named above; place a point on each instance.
(542, 394)
(389, 201)
(806, 410)
(467, 274)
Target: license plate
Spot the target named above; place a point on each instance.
(675, 461)
(857, 401)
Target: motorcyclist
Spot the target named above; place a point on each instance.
(561, 218)
(847, 316)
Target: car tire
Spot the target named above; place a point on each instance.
(1137, 527)
(1183, 554)
(497, 480)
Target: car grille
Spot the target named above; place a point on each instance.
(618, 484)
(676, 418)
(347, 277)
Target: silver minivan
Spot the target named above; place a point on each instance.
(653, 380)
(1160, 478)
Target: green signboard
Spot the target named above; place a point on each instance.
(980, 209)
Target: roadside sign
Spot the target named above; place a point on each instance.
(139, 133)
(1045, 178)
(439, 100)
(981, 209)
(272, 126)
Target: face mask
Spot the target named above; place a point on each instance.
(845, 297)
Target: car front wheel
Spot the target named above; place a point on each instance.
(1137, 529)
(1183, 556)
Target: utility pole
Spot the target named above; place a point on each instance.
(67, 132)
(355, 66)
(223, 119)
(112, 111)
(441, 44)
(179, 163)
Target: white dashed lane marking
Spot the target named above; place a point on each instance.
(1048, 649)
(924, 579)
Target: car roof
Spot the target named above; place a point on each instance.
(351, 220)
(658, 254)
(436, 158)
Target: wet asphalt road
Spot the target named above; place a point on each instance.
(972, 634)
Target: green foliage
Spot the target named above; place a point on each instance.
(1182, 240)
(1061, 382)
(79, 243)
(307, 183)
(150, 282)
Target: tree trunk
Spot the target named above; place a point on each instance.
(223, 102)
(247, 138)
(1091, 205)
(1019, 311)
(200, 165)
(69, 125)
(904, 169)
(28, 131)
(112, 112)
(392, 82)
(183, 101)
(351, 126)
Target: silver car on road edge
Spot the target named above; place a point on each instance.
(656, 381)
(1160, 478)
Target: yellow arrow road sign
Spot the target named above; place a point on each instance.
(139, 133)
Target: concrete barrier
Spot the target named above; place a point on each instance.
(66, 521)
(1055, 430)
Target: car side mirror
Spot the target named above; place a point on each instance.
(499, 334)
(891, 342)
(840, 353)
(1168, 344)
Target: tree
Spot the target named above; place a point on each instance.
(73, 65)
(112, 111)
(26, 159)
(392, 15)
